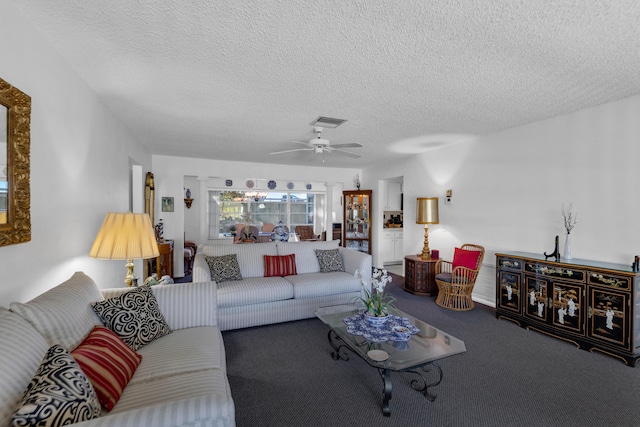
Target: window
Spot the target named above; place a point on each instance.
(228, 208)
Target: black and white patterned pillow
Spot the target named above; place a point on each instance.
(224, 268)
(329, 260)
(58, 394)
(134, 316)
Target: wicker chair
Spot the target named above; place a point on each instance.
(455, 285)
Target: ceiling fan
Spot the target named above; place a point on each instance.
(320, 145)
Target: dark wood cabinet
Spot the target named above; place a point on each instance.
(420, 275)
(163, 264)
(588, 303)
(357, 220)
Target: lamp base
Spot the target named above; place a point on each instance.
(129, 278)
(426, 253)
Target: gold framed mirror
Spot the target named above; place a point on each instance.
(15, 141)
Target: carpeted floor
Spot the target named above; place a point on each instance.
(283, 375)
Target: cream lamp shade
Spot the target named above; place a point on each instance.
(125, 236)
(427, 213)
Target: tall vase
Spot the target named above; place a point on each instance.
(567, 246)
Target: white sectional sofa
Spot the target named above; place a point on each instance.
(258, 300)
(181, 380)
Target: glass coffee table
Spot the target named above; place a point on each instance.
(383, 350)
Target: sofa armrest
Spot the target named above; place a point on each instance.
(355, 260)
(183, 305)
(200, 272)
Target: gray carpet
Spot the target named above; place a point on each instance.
(283, 375)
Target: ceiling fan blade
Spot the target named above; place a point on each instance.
(301, 142)
(346, 153)
(351, 145)
(291, 151)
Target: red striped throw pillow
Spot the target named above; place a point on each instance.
(108, 363)
(284, 265)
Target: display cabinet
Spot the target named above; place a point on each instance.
(356, 233)
(594, 305)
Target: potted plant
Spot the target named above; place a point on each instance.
(376, 302)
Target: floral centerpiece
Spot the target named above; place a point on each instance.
(375, 301)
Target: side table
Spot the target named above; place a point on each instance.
(420, 275)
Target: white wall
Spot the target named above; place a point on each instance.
(80, 158)
(170, 173)
(508, 189)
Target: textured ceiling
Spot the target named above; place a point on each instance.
(236, 80)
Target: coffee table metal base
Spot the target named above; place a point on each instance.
(421, 385)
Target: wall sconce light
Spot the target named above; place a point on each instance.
(427, 213)
(187, 198)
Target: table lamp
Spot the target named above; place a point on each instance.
(125, 236)
(426, 213)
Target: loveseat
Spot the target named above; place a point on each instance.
(180, 380)
(252, 299)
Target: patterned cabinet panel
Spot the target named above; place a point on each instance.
(509, 291)
(555, 271)
(537, 299)
(509, 263)
(603, 278)
(609, 316)
(568, 301)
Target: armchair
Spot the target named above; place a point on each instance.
(305, 232)
(456, 279)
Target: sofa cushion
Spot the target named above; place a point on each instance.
(329, 260)
(208, 387)
(134, 316)
(306, 260)
(21, 352)
(284, 265)
(322, 284)
(108, 363)
(63, 315)
(224, 268)
(185, 350)
(249, 256)
(254, 290)
(58, 394)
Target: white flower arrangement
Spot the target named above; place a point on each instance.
(376, 303)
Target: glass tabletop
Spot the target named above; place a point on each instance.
(428, 345)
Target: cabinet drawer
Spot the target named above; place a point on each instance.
(510, 263)
(550, 270)
(606, 279)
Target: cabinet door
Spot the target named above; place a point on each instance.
(567, 306)
(398, 246)
(536, 298)
(608, 318)
(509, 291)
(393, 196)
(387, 249)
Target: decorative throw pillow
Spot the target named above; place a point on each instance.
(108, 362)
(465, 258)
(58, 394)
(134, 316)
(283, 265)
(329, 260)
(224, 268)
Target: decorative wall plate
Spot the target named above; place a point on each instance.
(250, 183)
(228, 183)
(290, 185)
(272, 185)
(308, 186)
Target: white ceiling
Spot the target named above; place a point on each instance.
(236, 80)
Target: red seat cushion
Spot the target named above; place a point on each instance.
(465, 258)
(283, 265)
(108, 363)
